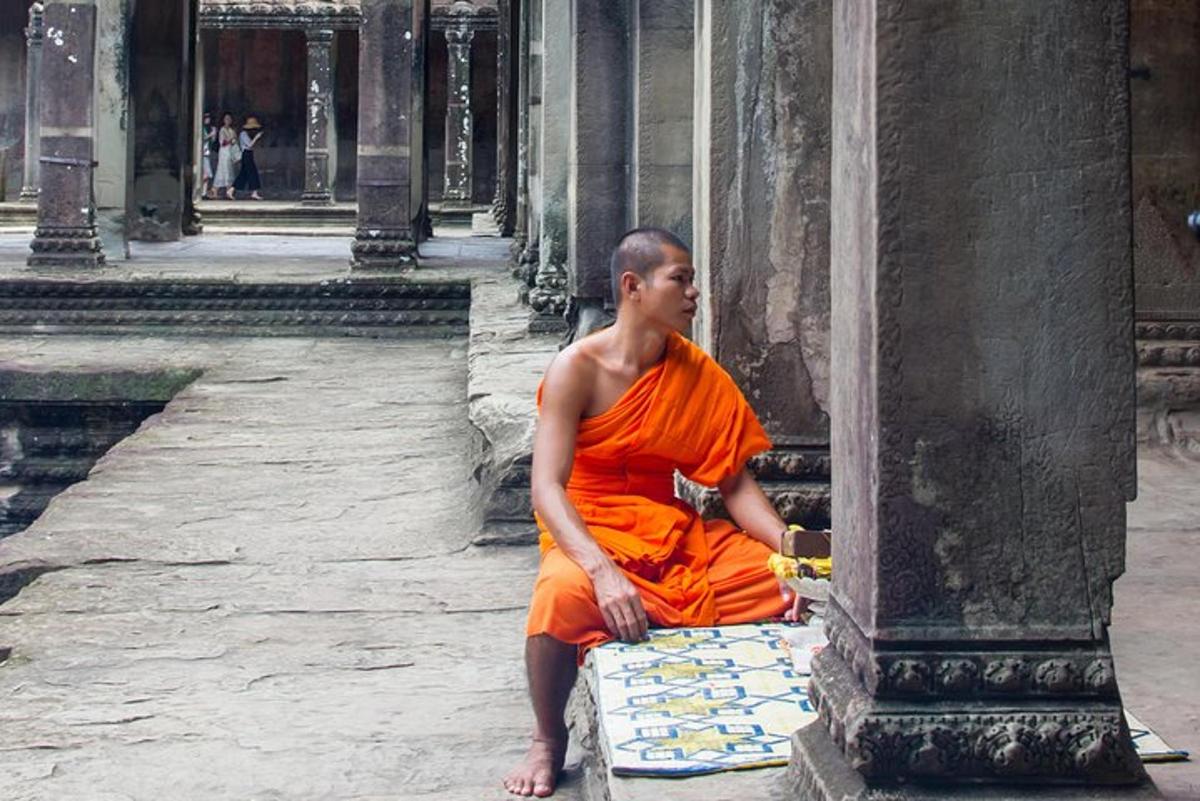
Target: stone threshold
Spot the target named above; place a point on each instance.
(378, 307)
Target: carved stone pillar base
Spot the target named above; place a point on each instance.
(193, 221)
(65, 247)
(548, 299)
(380, 251)
(819, 773)
(320, 198)
(28, 194)
(795, 478)
(973, 712)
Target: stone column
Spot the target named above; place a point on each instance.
(548, 297)
(459, 125)
(66, 227)
(521, 226)
(507, 47)
(662, 118)
(318, 180)
(161, 124)
(190, 103)
(384, 238)
(422, 225)
(761, 242)
(598, 161)
(33, 69)
(115, 112)
(983, 447)
(531, 136)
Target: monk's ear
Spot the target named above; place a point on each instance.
(630, 283)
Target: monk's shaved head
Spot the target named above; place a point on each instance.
(639, 252)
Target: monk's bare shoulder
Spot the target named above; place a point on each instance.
(570, 378)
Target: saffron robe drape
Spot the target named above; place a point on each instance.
(684, 414)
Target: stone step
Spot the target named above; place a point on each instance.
(350, 304)
(347, 307)
(341, 288)
(47, 470)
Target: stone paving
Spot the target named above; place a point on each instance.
(270, 592)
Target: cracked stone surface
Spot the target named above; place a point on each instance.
(268, 590)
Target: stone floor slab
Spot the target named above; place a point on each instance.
(267, 591)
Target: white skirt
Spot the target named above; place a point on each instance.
(224, 177)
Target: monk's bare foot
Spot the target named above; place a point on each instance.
(537, 773)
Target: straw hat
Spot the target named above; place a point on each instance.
(252, 124)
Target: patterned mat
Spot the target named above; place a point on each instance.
(1150, 747)
(693, 701)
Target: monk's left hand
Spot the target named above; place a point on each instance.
(798, 604)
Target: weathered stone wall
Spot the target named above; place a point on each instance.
(114, 115)
(159, 83)
(14, 16)
(600, 140)
(661, 157)
(762, 214)
(555, 130)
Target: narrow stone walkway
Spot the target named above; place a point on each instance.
(268, 591)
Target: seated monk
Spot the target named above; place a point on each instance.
(619, 412)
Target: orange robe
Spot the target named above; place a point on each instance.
(684, 414)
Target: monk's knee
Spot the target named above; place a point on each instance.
(564, 602)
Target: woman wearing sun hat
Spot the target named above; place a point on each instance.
(248, 178)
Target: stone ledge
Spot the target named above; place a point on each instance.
(504, 365)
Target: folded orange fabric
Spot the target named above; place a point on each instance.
(684, 414)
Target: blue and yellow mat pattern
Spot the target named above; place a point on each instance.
(692, 701)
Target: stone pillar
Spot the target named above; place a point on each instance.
(548, 297)
(531, 136)
(422, 225)
(383, 238)
(190, 103)
(663, 69)
(160, 75)
(115, 112)
(598, 164)
(507, 47)
(983, 447)
(66, 227)
(521, 225)
(761, 242)
(318, 179)
(459, 125)
(33, 68)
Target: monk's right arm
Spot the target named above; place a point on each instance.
(564, 395)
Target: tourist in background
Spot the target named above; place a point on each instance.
(208, 148)
(227, 154)
(248, 178)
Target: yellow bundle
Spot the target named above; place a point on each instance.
(787, 567)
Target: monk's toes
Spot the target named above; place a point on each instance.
(519, 785)
(543, 784)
